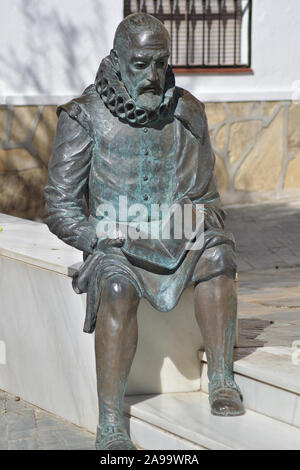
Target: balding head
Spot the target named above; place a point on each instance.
(138, 24)
(141, 52)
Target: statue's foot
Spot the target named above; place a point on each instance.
(113, 437)
(225, 398)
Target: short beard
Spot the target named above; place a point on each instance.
(149, 101)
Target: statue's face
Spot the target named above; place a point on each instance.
(143, 68)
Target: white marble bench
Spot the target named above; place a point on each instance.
(46, 358)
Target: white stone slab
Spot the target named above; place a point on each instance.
(166, 358)
(33, 243)
(147, 436)
(296, 419)
(49, 361)
(271, 365)
(188, 416)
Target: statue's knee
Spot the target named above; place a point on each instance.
(119, 303)
(120, 290)
(221, 259)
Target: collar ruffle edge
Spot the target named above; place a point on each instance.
(117, 99)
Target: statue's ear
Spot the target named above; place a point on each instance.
(115, 59)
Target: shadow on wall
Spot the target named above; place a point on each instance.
(63, 55)
(27, 132)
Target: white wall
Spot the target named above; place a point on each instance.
(51, 49)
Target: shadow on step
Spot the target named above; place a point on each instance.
(250, 331)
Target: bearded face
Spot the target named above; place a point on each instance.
(143, 67)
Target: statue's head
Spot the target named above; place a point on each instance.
(140, 54)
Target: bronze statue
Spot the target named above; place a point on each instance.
(133, 133)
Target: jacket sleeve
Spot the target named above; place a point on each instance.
(192, 113)
(68, 175)
(214, 215)
(213, 212)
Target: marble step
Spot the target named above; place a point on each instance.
(183, 421)
(269, 378)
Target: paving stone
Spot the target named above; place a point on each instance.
(83, 439)
(50, 438)
(3, 444)
(2, 403)
(24, 444)
(17, 406)
(46, 421)
(82, 446)
(22, 428)
(2, 424)
(267, 234)
(3, 435)
(55, 446)
(26, 427)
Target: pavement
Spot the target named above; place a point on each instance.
(268, 251)
(26, 427)
(267, 235)
(268, 254)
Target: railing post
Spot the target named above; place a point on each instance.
(250, 34)
(171, 29)
(187, 22)
(234, 37)
(219, 31)
(203, 30)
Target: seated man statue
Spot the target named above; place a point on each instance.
(134, 134)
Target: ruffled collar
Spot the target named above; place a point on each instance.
(117, 99)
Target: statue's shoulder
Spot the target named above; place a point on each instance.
(83, 108)
(191, 112)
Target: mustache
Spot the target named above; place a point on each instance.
(154, 87)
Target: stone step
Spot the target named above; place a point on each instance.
(269, 378)
(176, 421)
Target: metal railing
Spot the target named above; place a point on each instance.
(204, 33)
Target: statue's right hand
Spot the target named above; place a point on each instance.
(110, 242)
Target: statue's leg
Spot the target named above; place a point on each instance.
(115, 345)
(216, 311)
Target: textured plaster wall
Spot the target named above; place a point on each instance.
(26, 136)
(257, 147)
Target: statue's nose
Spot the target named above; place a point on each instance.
(153, 76)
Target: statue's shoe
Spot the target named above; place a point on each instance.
(113, 437)
(226, 399)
